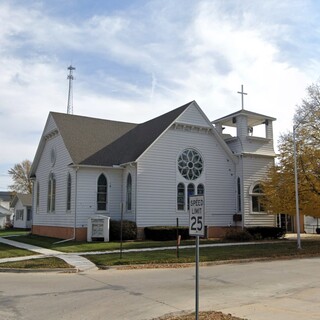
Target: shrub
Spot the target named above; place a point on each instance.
(238, 235)
(129, 230)
(165, 233)
(266, 232)
(8, 225)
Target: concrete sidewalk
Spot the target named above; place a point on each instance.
(77, 261)
(82, 264)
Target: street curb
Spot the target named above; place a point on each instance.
(46, 270)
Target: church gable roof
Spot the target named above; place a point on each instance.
(132, 144)
(83, 136)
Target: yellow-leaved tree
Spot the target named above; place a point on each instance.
(20, 176)
(279, 186)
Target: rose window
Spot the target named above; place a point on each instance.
(190, 164)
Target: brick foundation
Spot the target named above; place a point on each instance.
(60, 232)
(219, 232)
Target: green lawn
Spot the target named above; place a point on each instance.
(12, 232)
(274, 250)
(265, 250)
(9, 252)
(76, 246)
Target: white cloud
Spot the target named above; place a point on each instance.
(135, 64)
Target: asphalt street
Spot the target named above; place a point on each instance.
(288, 289)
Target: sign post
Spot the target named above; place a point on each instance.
(197, 229)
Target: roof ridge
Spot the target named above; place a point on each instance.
(123, 150)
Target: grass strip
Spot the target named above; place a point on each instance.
(13, 232)
(7, 251)
(42, 263)
(77, 246)
(266, 250)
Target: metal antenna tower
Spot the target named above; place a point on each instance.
(70, 94)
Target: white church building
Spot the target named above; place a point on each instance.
(85, 167)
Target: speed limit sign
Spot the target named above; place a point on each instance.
(196, 216)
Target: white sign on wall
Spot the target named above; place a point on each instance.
(196, 216)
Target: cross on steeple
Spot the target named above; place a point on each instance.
(242, 94)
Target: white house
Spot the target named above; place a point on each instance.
(22, 206)
(6, 214)
(85, 166)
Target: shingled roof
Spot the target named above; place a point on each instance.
(132, 144)
(26, 199)
(83, 136)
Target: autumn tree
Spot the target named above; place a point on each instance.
(279, 186)
(20, 176)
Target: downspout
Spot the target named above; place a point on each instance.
(136, 193)
(242, 194)
(33, 183)
(75, 210)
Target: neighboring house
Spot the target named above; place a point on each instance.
(5, 217)
(85, 166)
(6, 214)
(311, 224)
(22, 205)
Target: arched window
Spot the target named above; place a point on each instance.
(239, 194)
(69, 192)
(190, 192)
(51, 205)
(102, 193)
(129, 192)
(180, 197)
(256, 198)
(38, 197)
(200, 189)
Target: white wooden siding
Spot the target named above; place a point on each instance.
(157, 180)
(129, 215)
(21, 223)
(254, 170)
(192, 116)
(87, 193)
(60, 169)
(50, 125)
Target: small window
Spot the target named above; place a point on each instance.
(256, 198)
(19, 214)
(180, 197)
(38, 197)
(129, 192)
(29, 214)
(239, 194)
(51, 193)
(69, 192)
(200, 189)
(190, 192)
(102, 188)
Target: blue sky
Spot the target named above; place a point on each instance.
(138, 59)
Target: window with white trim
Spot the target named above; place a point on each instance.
(129, 192)
(181, 197)
(19, 214)
(200, 189)
(191, 191)
(256, 199)
(51, 205)
(69, 192)
(239, 194)
(102, 193)
(38, 197)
